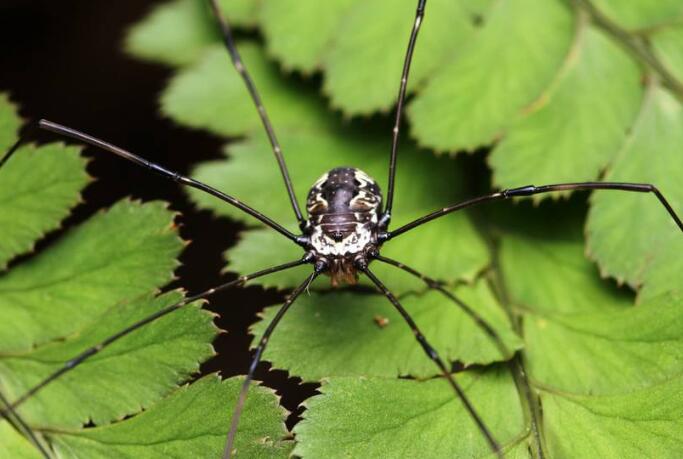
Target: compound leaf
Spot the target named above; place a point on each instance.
(38, 186)
(118, 254)
(86, 285)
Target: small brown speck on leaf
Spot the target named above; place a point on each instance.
(381, 321)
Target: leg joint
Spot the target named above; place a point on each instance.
(527, 190)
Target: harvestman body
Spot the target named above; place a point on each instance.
(344, 208)
(346, 228)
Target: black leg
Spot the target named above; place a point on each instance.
(83, 356)
(10, 152)
(531, 190)
(434, 356)
(263, 342)
(21, 426)
(439, 286)
(256, 98)
(419, 15)
(171, 175)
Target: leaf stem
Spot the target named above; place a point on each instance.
(634, 43)
(530, 399)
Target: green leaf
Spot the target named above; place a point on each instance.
(360, 79)
(175, 32)
(602, 366)
(180, 426)
(377, 417)
(15, 446)
(582, 320)
(641, 14)
(583, 120)
(9, 123)
(259, 248)
(297, 42)
(212, 96)
(38, 186)
(335, 334)
(668, 45)
(121, 253)
(84, 287)
(643, 422)
(242, 13)
(632, 237)
(486, 86)
(566, 103)
(121, 380)
(544, 276)
(609, 352)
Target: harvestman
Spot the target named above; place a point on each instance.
(344, 232)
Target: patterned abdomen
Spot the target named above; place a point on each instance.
(343, 208)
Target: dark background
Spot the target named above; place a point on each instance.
(63, 61)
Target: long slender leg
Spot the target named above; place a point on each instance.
(16, 420)
(10, 152)
(256, 98)
(419, 15)
(171, 175)
(83, 356)
(436, 285)
(531, 190)
(434, 356)
(263, 342)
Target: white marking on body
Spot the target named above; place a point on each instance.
(353, 243)
(318, 183)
